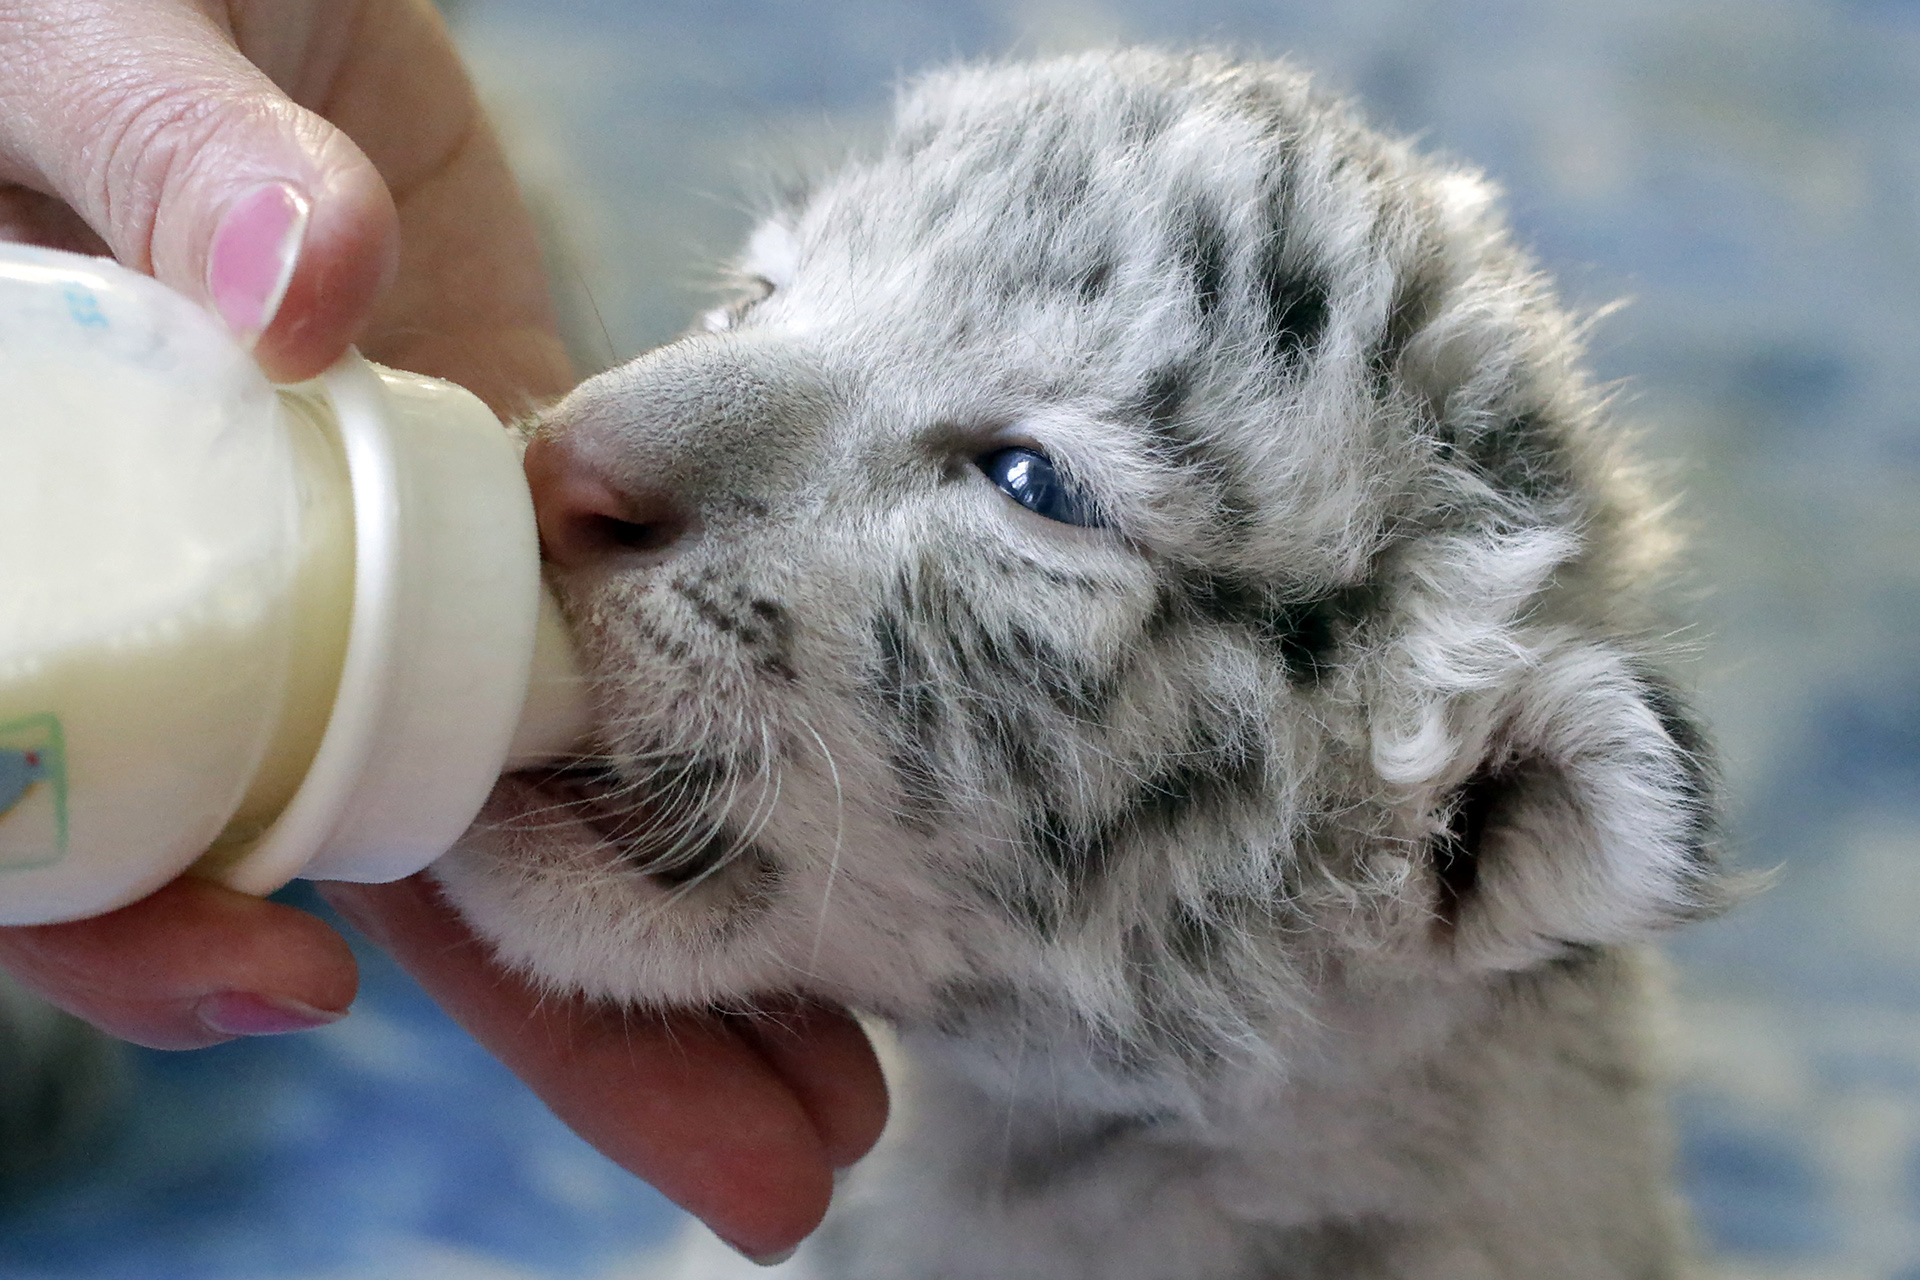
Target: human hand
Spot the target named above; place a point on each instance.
(319, 172)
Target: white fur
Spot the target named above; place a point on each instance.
(1249, 875)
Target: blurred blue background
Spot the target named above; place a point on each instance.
(1745, 172)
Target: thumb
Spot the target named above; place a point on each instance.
(191, 164)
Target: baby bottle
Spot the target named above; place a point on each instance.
(247, 631)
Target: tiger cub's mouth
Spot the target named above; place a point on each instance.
(670, 844)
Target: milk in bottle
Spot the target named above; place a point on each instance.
(260, 630)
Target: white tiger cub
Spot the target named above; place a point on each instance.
(1138, 597)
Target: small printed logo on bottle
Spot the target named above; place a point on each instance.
(33, 792)
(84, 307)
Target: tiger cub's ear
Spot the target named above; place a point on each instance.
(1585, 818)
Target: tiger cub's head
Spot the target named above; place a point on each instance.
(1136, 549)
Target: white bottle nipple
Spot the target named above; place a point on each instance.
(269, 634)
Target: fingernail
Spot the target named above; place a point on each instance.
(254, 252)
(247, 1013)
(341, 897)
(764, 1259)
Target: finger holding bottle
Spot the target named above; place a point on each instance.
(318, 173)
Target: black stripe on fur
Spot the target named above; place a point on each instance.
(1303, 632)
(901, 688)
(1206, 253)
(1694, 756)
(1296, 309)
(1212, 771)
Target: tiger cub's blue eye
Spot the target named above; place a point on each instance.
(1029, 478)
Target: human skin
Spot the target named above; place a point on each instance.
(149, 129)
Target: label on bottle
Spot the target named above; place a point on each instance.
(33, 792)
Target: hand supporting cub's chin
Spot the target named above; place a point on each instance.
(741, 1121)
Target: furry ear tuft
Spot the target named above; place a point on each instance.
(1588, 819)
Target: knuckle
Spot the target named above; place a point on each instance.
(148, 140)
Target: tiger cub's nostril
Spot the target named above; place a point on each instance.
(585, 518)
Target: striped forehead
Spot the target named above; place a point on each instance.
(1065, 206)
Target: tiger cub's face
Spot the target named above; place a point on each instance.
(1136, 549)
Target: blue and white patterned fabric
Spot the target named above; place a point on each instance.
(1747, 172)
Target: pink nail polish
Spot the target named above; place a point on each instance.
(253, 255)
(246, 1013)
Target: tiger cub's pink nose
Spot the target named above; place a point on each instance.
(587, 519)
